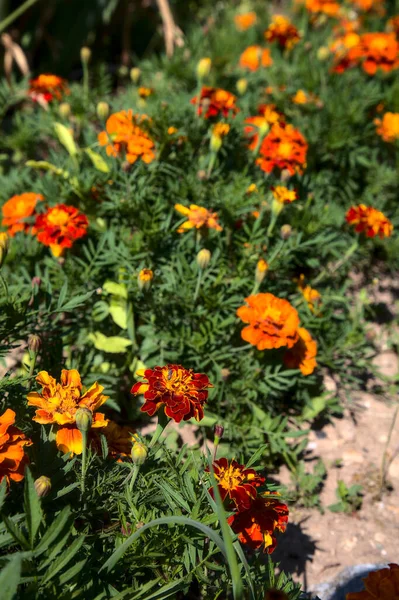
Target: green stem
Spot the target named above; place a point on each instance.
(272, 223)
(339, 264)
(136, 469)
(4, 284)
(211, 164)
(17, 12)
(85, 83)
(197, 287)
(84, 460)
(162, 423)
(33, 357)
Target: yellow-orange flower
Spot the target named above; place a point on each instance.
(125, 136)
(374, 51)
(311, 296)
(376, 6)
(146, 275)
(388, 127)
(60, 226)
(236, 483)
(45, 87)
(17, 210)
(379, 585)
(331, 8)
(13, 459)
(245, 20)
(213, 102)
(283, 195)
(198, 217)
(58, 403)
(284, 147)
(303, 354)
(252, 188)
(272, 322)
(369, 220)
(282, 31)
(144, 92)
(255, 57)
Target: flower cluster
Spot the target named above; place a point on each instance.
(46, 87)
(373, 51)
(331, 8)
(124, 136)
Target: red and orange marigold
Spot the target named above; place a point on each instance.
(303, 354)
(255, 57)
(257, 525)
(284, 147)
(13, 459)
(379, 51)
(282, 31)
(214, 102)
(331, 8)
(379, 585)
(369, 220)
(236, 483)
(60, 226)
(272, 322)
(388, 127)
(124, 136)
(180, 391)
(245, 20)
(18, 210)
(58, 404)
(198, 217)
(45, 87)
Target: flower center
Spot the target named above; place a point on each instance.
(175, 384)
(58, 217)
(285, 149)
(230, 478)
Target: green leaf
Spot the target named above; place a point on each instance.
(66, 556)
(112, 344)
(16, 533)
(116, 289)
(97, 160)
(118, 312)
(75, 570)
(3, 491)
(46, 166)
(9, 578)
(33, 509)
(55, 529)
(66, 138)
(75, 302)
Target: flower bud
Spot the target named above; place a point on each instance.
(261, 270)
(102, 110)
(323, 53)
(42, 486)
(203, 68)
(242, 85)
(34, 343)
(225, 373)
(135, 74)
(85, 55)
(83, 419)
(286, 232)
(203, 258)
(64, 110)
(139, 453)
(219, 430)
(264, 128)
(123, 71)
(144, 279)
(219, 131)
(4, 246)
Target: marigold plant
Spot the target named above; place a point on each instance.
(369, 220)
(255, 57)
(124, 136)
(59, 227)
(284, 147)
(13, 459)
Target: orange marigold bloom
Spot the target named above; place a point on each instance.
(379, 585)
(302, 97)
(198, 217)
(273, 322)
(13, 459)
(245, 20)
(236, 483)
(182, 392)
(330, 8)
(376, 6)
(146, 275)
(60, 226)
(283, 195)
(124, 136)
(284, 147)
(283, 31)
(58, 403)
(388, 127)
(17, 210)
(369, 220)
(254, 57)
(311, 296)
(379, 51)
(303, 354)
(215, 102)
(144, 92)
(256, 526)
(46, 87)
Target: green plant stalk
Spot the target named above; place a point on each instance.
(17, 13)
(384, 455)
(197, 287)
(162, 423)
(85, 82)
(33, 358)
(5, 286)
(136, 470)
(339, 264)
(272, 224)
(212, 161)
(84, 461)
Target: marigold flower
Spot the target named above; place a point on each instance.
(13, 459)
(369, 220)
(379, 51)
(236, 483)
(388, 127)
(219, 131)
(46, 87)
(256, 526)
(311, 296)
(144, 278)
(17, 210)
(198, 217)
(245, 20)
(261, 269)
(254, 57)
(255, 127)
(331, 8)
(215, 102)
(302, 97)
(282, 31)
(182, 392)
(375, 6)
(273, 322)
(58, 404)
(172, 130)
(120, 440)
(303, 354)
(60, 226)
(283, 195)
(124, 136)
(379, 585)
(284, 147)
(252, 189)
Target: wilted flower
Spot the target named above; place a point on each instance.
(59, 227)
(273, 322)
(17, 210)
(46, 87)
(124, 136)
(13, 459)
(215, 102)
(203, 258)
(144, 278)
(369, 220)
(203, 68)
(388, 127)
(303, 354)
(197, 217)
(254, 57)
(382, 584)
(245, 20)
(59, 403)
(236, 483)
(284, 147)
(282, 31)
(180, 391)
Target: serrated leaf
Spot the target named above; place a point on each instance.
(75, 302)
(55, 529)
(66, 138)
(15, 532)
(33, 509)
(9, 578)
(97, 160)
(113, 344)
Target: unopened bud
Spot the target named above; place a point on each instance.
(139, 453)
(42, 486)
(203, 258)
(144, 279)
(34, 343)
(323, 53)
(203, 68)
(123, 71)
(264, 128)
(64, 110)
(83, 419)
(85, 54)
(286, 232)
(102, 110)
(135, 74)
(4, 246)
(219, 430)
(261, 270)
(225, 373)
(242, 86)
(219, 131)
